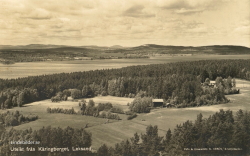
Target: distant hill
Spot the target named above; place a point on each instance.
(146, 48)
(163, 49)
(116, 47)
(31, 46)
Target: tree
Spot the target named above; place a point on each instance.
(135, 140)
(168, 137)
(87, 91)
(91, 103)
(207, 81)
(76, 93)
(2, 129)
(20, 99)
(234, 82)
(151, 142)
(141, 105)
(7, 103)
(83, 107)
(219, 81)
(103, 151)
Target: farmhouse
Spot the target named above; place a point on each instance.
(157, 102)
(212, 84)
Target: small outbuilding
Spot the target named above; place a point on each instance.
(157, 103)
(212, 84)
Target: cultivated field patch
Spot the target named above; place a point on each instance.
(112, 99)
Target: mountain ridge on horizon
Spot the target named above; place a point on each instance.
(49, 46)
(40, 52)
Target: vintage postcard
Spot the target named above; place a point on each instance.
(124, 77)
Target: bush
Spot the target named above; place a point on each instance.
(60, 96)
(91, 103)
(109, 115)
(129, 113)
(76, 93)
(104, 106)
(60, 110)
(15, 118)
(141, 105)
(117, 110)
(130, 117)
(102, 115)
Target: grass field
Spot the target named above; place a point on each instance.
(114, 100)
(39, 68)
(56, 119)
(116, 131)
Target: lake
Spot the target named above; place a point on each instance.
(39, 68)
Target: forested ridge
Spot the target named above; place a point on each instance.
(40, 52)
(179, 83)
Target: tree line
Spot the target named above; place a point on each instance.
(179, 83)
(102, 110)
(61, 110)
(15, 118)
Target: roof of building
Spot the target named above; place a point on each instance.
(212, 81)
(157, 100)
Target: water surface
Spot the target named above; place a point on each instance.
(39, 68)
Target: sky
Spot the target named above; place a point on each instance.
(125, 22)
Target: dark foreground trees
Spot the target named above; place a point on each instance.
(68, 139)
(219, 134)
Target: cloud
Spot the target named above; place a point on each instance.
(190, 6)
(243, 30)
(4, 24)
(38, 14)
(107, 22)
(137, 11)
(64, 6)
(188, 11)
(198, 30)
(141, 29)
(173, 4)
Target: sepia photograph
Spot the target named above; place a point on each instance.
(124, 77)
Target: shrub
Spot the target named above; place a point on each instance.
(104, 106)
(130, 117)
(117, 110)
(60, 110)
(15, 118)
(109, 115)
(129, 113)
(102, 115)
(141, 105)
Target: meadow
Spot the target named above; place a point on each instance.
(116, 131)
(25, 69)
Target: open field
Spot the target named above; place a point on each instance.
(117, 131)
(112, 99)
(56, 119)
(39, 68)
